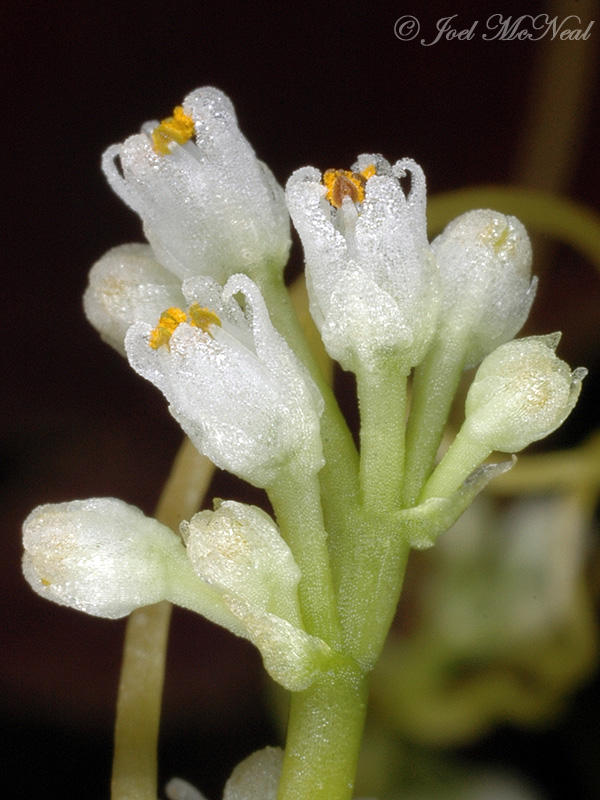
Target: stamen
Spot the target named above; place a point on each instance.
(178, 128)
(197, 317)
(341, 183)
(203, 317)
(169, 320)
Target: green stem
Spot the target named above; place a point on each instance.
(323, 740)
(370, 585)
(462, 457)
(382, 403)
(434, 386)
(296, 501)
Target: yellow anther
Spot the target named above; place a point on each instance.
(178, 128)
(197, 316)
(368, 171)
(167, 323)
(203, 318)
(342, 183)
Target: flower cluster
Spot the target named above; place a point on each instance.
(200, 311)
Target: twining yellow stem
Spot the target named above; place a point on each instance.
(134, 775)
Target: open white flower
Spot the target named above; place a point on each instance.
(128, 285)
(484, 261)
(207, 204)
(238, 549)
(371, 274)
(232, 382)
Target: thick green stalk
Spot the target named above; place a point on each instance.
(296, 500)
(323, 739)
(382, 403)
(370, 585)
(434, 386)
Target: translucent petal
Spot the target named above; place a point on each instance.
(237, 391)
(371, 276)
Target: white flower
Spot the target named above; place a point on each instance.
(207, 204)
(128, 285)
(521, 393)
(371, 275)
(106, 558)
(238, 549)
(484, 261)
(232, 382)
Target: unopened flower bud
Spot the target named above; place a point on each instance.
(484, 259)
(128, 285)
(238, 550)
(101, 556)
(521, 393)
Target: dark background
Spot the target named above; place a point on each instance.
(312, 85)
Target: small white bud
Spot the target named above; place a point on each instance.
(484, 260)
(256, 777)
(101, 556)
(239, 551)
(239, 548)
(521, 393)
(128, 285)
